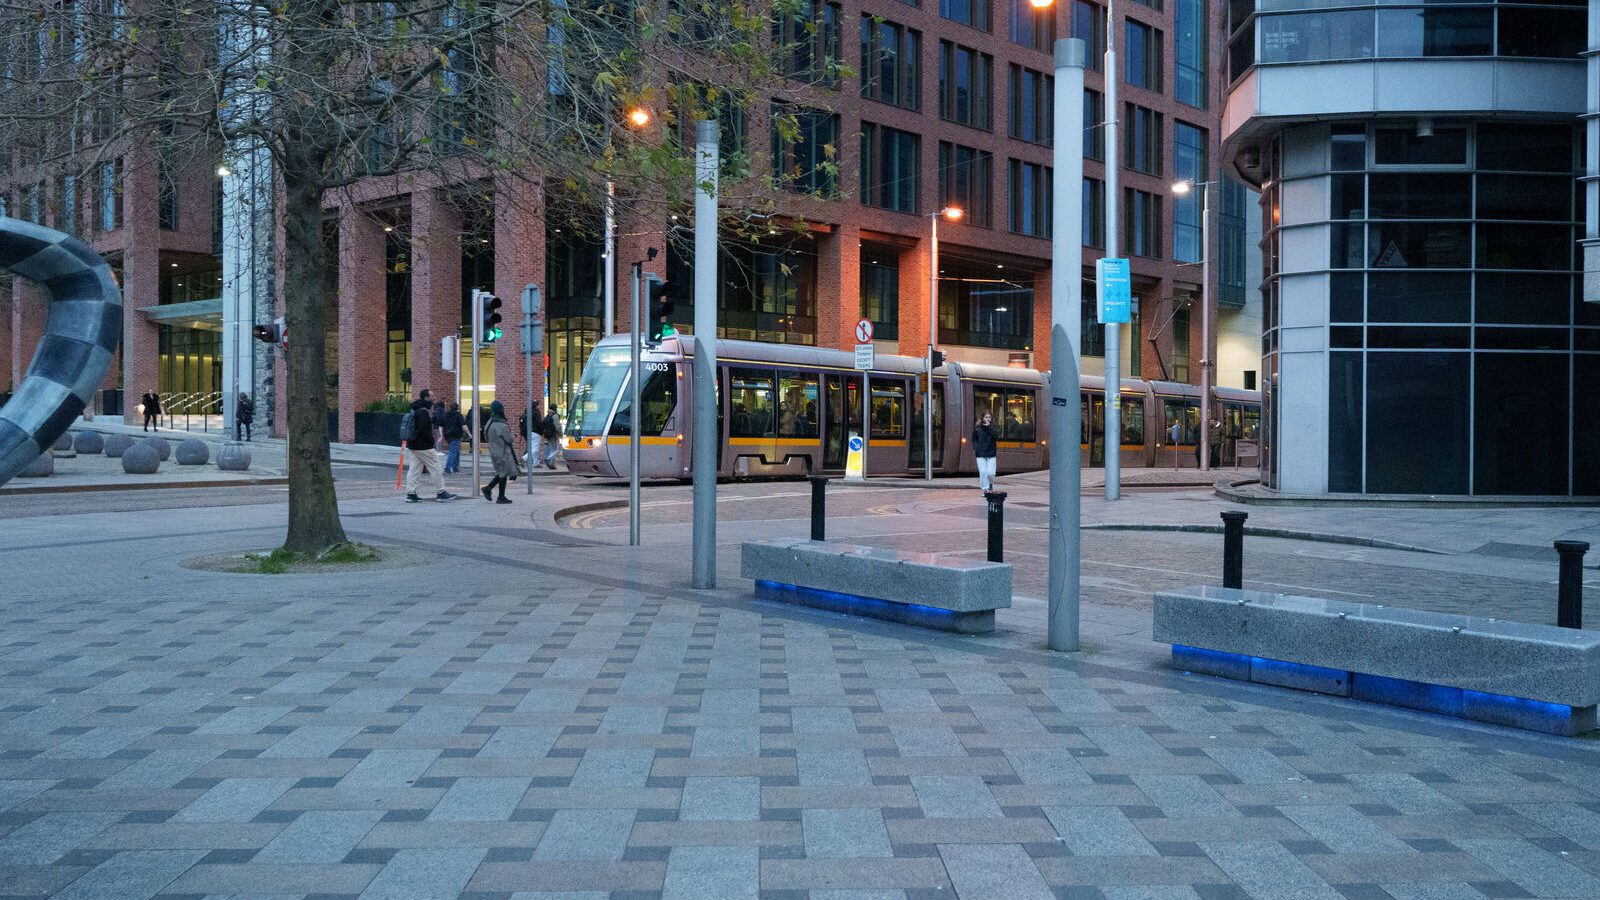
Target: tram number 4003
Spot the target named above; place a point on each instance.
(656, 366)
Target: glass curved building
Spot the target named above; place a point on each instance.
(1423, 201)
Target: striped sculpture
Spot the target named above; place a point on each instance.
(82, 327)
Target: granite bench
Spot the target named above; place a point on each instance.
(1526, 675)
(914, 588)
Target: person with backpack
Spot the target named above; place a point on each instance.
(455, 429)
(550, 433)
(416, 435)
(502, 453)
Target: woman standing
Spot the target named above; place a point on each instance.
(243, 415)
(502, 452)
(984, 438)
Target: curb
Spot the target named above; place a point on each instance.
(581, 508)
(118, 486)
(1391, 501)
(1287, 533)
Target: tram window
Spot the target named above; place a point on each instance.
(659, 397)
(985, 400)
(889, 410)
(1185, 415)
(1019, 416)
(1133, 421)
(797, 404)
(750, 403)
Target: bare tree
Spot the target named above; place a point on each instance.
(472, 93)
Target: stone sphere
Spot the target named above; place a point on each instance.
(141, 459)
(64, 442)
(89, 442)
(43, 467)
(193, 452)
(160, 445)
(233, 457)
(116, 444)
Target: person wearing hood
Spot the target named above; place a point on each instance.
(502, 452)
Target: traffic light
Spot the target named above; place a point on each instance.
(488, 316)
(660, 306)
(938, 359)
(274, 332)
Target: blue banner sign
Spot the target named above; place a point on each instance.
(1115, 289)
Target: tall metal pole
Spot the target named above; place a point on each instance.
(703, 444)
(1113, 415)
(633, 415)
(528, 437)
(1066, 309)
(532, 346)
(477, 415)
(1205, 326)
(933, 340)
(610, 251)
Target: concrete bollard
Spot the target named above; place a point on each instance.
(997, 525)
(1569, 590)
(819, 508)
(1233, 549)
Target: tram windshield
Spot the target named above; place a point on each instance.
(597, 391)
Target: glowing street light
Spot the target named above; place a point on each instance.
(953, 213)
(639, 117)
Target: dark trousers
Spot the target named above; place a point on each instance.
(151, 418)
(497, 481)
(241, 426)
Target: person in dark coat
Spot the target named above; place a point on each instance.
(455, 428)
(151, 401)
(985, 438)
(502, 452)
(243, 415)
(550, 432)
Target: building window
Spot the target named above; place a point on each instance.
(979, 310)
(1032, 26)
(1190, 53)
(1091, 334)
(1180, 347)
(1144, 56)
(765, 292)
(965, 78)
(967, 12)
(1231, 273)
(167, 197)
(890, 164)
(1094, 120)
(702, 101)
(110, 196)
(880, 290)
(1153, 4)
(808, 38)
(1032, 105)
(32, 204)
(1094, 213)
(1030, 199)
(1141, 146)
(1089, 26)
(1189, 163)
(1135, 350)
(803, 150)
(891, 68)
(1141, 222)
(66, 204)
(966, 174)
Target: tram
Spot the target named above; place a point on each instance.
(787, 411)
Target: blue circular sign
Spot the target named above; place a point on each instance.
(855, 444)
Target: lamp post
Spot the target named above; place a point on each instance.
(638, 117)
(1181, 188)
(954, 214)
(1066, 309)
(1112, 439)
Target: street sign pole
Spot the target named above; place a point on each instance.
(477, 339)
(532, 344)
(703, 442)
(633, 415)
(865, 360)
(1114, 287)
(1113, 392)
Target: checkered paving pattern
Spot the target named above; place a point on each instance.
(593, 741)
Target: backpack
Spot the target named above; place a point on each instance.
(408, 426)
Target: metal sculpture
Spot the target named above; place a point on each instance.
(82, 326)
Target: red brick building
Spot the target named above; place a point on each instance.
(948, 103)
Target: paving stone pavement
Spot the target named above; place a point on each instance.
(591, 739)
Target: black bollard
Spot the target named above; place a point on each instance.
(997, 525)
(1569, 592)
(1233, 549)
(819, 508)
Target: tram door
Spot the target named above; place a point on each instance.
(938, 428)
(1092, 429)
(841, 416)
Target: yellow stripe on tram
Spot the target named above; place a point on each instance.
(646, 441)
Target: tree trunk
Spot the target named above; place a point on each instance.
(313, 507)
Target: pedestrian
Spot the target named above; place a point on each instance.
(984, 441)
(421, 457)
(243, 415)
(502, 453)
(550, 432)
(438, 421)
(534, 436)
(151, 403)
(455, 428)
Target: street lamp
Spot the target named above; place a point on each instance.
(1182, 188)
(636, 117)
(954, 214)
(639, 117)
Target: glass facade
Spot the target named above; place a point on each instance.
(980, 310)
(1458, 343)
(765, 292)
(1271, 32)
(880, 289)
